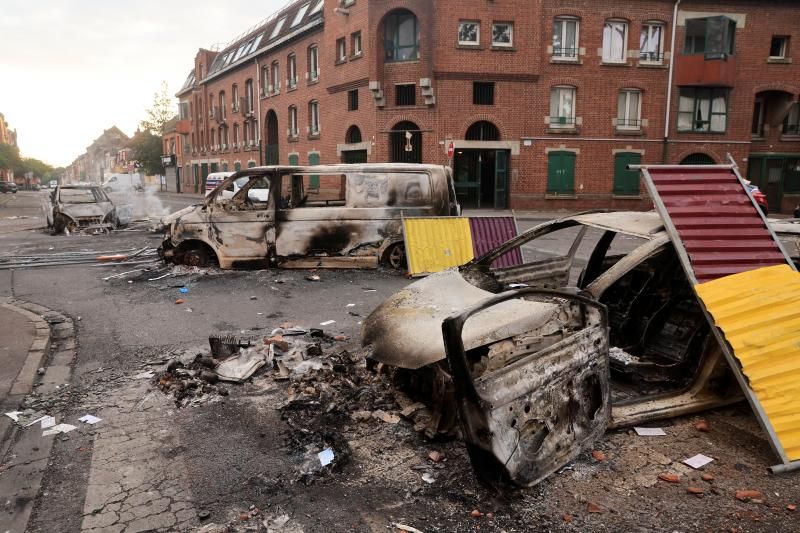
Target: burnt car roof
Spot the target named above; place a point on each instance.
(647, 224)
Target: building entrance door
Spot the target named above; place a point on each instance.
(481, 178)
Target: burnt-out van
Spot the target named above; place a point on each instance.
(328, 216)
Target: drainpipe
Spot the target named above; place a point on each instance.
(257, 105)
(669, 79)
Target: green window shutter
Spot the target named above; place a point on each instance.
(626, 182)
(251, 164)
(225, 166)
(237, 166)
(561, 173)
(213, 168)
(294, 160)
(313, 159)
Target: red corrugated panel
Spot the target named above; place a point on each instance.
(490, 232)
(720, 228)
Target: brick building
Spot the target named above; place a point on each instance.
(7, 136)
(543, 102)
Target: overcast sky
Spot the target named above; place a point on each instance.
(72, 68)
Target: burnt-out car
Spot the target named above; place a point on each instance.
(599, 328)
(71, 208)
(329, 216)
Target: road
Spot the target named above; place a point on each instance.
(150, 465)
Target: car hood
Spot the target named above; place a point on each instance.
(166, 220)
(406, 329)
(86, 210)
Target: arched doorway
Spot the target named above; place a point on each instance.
(481, 169)
(353, 153)
(272, 156)
(405, 143)
(698, 159)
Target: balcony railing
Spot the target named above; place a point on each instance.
(630, 123)
(562, 121)
(565, 52)
(651, 57)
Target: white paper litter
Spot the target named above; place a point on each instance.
(350, 305)
(517, 285)
(14, 415)
(325, 457)
(48, 421)
(90, 419)
(698, 461)
(649, 432)
(61, 428)
(407, 529)
(327, 323)
(145, 375)
(427, 477)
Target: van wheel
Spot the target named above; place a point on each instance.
(395, 256)
(196, 257)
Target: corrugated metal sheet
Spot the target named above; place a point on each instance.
(759, 313)
(721, 230)
(436, 243)
(490, 232)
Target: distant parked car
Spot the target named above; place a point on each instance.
(8, 186)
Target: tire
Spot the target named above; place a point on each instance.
(62, 223)
(395, 256)
(196, 257)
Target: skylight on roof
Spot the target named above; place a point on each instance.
(317, 8)
(256, 42)
(299, 16)
(277, 29)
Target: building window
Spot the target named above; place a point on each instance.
(561, 173)
(757, 126)
(235, 98)
(248, 94)
(275, 88)
(502, 34)
(405, 94)
(353, 135)
(265, 80)
(629, 108)
(469, 33)
(483, 93)
(291, 71)
(626, 182)
(341, 50)
(355, 44)
(313, 63)
(562, 107)
(703, 110)
(236, 136)
(293, 131)
(313, 117)
(615, 37)
(482, 131)
(213, 139)
(222, 109)
(224, 134)
(352, 100)
(778, 47)
(246, 134)
(791, 124)
(565, 38)
(184, 111)
(713, 36)
(402, 36)
(651, 42)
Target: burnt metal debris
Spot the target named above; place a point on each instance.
(83, 208)
(337, 216)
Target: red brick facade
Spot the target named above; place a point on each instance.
(542, 151)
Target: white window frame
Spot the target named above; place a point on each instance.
(341, 49)
(477, 40)
(292, 70)
(630, 114)
(562, 90)
(576, 45)
(784, 46)
(313, 115)
(275, 72)
(293, 132)
(356, 40)
(313, 63)
(647, 27)
(298, 17)
(760, 103)
(609, 28)
(277, 28)
(510, 43)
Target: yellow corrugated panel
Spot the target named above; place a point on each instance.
(759, 312)
(436, 243)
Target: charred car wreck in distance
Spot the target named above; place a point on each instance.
(536, 375)
(330, 216)
(87, 208)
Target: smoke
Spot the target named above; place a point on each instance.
(145, 204)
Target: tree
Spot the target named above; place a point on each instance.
(9, 156)
(146, 148)
(160, 112)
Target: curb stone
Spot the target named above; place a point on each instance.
(25, 454)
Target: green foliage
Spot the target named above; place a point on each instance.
(147, 151)
(10, 158)
(160, 112)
